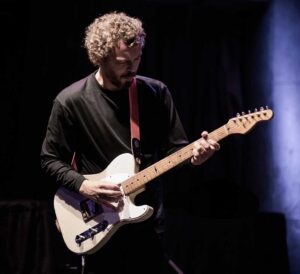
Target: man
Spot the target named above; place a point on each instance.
(90, 120)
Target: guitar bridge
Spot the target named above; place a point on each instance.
(89, 209)
(88, 234)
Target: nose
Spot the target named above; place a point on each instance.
(130, 66)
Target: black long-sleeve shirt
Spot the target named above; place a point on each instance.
(95, 123)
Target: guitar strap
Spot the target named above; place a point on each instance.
(134, 122)
(134, 126)
(73, 162)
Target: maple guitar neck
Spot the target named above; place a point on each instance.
(238, 125)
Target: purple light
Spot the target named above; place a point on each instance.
(284, 49)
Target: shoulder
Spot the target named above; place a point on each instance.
(74, 91)
(152, 85)
(151, 82)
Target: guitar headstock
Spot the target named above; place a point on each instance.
(243, 123)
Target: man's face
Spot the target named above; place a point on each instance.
(121, 66)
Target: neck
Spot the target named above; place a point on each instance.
(99, 78)
(103, 82)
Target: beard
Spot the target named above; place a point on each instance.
(123, 81)
(115, 80)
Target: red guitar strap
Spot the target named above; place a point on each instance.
(73, 162)
(134, 122)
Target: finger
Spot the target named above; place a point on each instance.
(196, 148)
(197, 145)
(110, 193)
(213, 144)
(217, 146)
(110, 199)
(196, 152)
(110, 189)
(100, 198)
(204, 134)
(110, 186)
(204, 144)
(109, 204)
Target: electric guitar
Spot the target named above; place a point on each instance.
(86, 225)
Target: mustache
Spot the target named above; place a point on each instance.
(129, 74)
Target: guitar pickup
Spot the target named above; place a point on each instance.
(89, 209)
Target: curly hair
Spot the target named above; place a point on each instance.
(105, 32)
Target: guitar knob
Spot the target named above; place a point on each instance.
(249, 111)
(261, 109)
(238, 115)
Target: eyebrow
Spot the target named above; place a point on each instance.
(124, 59)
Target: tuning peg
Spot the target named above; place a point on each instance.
(259, 112)
(238, 115)
(265, 113)
(261, 109)
(255, 110)
(243, 113)
(249, 111)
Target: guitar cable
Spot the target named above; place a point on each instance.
(82, 264)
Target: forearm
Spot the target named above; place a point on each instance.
(62, 173)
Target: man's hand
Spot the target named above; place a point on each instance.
(204, 149)
(102, 193)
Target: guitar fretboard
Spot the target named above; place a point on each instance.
(139, 180)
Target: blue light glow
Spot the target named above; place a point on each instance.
(284, 50)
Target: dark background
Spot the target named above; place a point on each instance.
(211, 54)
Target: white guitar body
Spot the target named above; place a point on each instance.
(89, 235)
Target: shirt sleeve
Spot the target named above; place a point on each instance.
(176, 136)
(58, 149)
